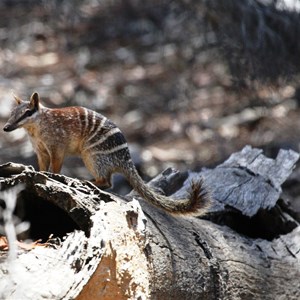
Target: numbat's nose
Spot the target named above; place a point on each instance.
(8, 127)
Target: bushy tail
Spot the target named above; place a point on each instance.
(196, 204)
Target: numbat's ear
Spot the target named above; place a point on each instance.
(34, 101)
(17, 99)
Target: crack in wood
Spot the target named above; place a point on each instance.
(288, 248)
(214, 267)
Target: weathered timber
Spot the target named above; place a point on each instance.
(113, 248)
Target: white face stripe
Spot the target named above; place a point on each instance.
(99, 128)
(27, 120)
(109, 151)
(104, 137)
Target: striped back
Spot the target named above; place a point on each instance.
(78, 129)
(101, 135)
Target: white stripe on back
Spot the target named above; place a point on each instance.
(104, 137)
(99, 128)
(93, 122)
(109, 151)
(86, 120)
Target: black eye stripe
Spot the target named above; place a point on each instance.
(27, 113)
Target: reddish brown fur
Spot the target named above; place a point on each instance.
(56, 133)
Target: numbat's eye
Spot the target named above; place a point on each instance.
(29, 112)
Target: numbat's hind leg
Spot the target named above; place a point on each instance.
(102, 182)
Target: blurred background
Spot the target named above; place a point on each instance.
(188, 82)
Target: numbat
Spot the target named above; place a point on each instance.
(56, 133)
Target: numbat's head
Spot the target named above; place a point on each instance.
(24, 113)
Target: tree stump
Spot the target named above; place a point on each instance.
(104, 246)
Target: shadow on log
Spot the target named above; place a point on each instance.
(107, 247)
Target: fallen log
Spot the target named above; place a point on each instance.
(103, 246)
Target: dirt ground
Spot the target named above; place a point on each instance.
(151, 69)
